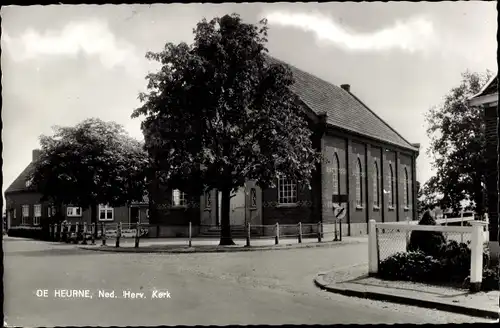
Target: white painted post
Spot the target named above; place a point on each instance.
(190, 227)
(277, 238)
(319, 232)
(372, 248)
(77, 228)
(476, 265)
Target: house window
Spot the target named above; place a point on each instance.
(336, 175)
(72, 211)
(287, 191)
(208, 200)
(106, 213)
(406, 189)
(25, 214)
(253, 197)
(359, 184)
(37, 209)
(391, 187)
(178, 198)
(376, 188)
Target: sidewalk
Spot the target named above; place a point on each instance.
(355, 282)
(206, 245)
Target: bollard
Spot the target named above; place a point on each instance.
(189, 233)
(77, 227)
(103, 233)
(300, 232)
(248, 235)
(407, 234)
(319, 232)
(335, 229)
(277, 238)
(372, 248)
(92, 232)
(138, 230)
(84, 242)
(118, 234)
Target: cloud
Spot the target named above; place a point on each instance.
(90, 37)
(412, 35)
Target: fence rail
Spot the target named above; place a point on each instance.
(104, 231)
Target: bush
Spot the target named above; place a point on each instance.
(428, 242)
(490, 280)
(409, 266)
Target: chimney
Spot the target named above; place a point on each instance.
(346, 87)
(36, 154)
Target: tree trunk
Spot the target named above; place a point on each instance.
(94, 218)
(225, 230)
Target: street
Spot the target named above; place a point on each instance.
(271, 287)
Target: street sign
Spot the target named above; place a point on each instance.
(340, 210)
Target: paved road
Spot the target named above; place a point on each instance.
(273, 287)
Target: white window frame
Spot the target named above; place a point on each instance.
(390, 200)
(72, 212)
(37, 214)
(336, 175)
(359, 183)
(287, 192)
(376, 186)
(178, 198)
(28, 183)
(25, 213)
(106, 209)
(406, 190)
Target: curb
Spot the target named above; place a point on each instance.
(386, 297)
(189, 250)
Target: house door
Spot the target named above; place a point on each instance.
(236, 208)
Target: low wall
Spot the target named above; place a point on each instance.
(163, 231)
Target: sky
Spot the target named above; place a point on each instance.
(62, 64)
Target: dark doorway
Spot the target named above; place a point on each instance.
(134, 215)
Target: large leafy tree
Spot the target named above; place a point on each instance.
(218, 113)
(457, 146)
(94, 162)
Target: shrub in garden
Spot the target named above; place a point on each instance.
(428, 242)
(409, 266)
(490, 279)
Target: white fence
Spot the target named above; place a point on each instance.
(395, 237)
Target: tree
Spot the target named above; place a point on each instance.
(457, 134)
(218, 114)
(92, 163)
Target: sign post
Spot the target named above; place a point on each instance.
(340, 205)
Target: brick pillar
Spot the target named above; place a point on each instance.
(492, 170)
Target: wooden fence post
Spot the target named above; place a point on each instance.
(103, 233)
(319, 232)
(407, 234)
(476, 265)
(372, 248)
(340, 228)
(300, 232)
(137, 234)
(84, 242)
(92, 232)
(248, 234)
(118, 234)
(77, 227)
(277, 238)
(189, 233)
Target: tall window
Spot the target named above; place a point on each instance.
(359, 184)
(376, 187)
(406, 189)
(336, 175)
(287, 191)
(391, 187)
(106, 213)
(37, 209)
(178, 198)
(25, 214)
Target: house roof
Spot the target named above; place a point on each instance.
(344, 110)
(19, 184)
(491, 87)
